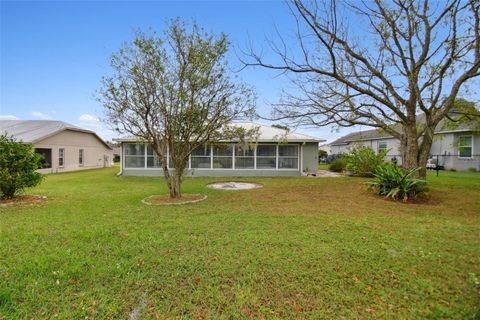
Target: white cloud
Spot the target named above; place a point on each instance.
(88, 117)
(8, 117)
(93, 123)
(40, 115)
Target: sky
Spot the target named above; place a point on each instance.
(54, 54)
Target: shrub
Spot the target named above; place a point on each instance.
(397, 183)
(453, 169)
(338, 165)
(472, 169)
(363, 161)
(18, 162)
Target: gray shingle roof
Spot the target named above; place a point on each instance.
(32, 131)
(375, 134)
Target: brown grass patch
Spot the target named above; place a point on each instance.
(165, 199)
(22, 200)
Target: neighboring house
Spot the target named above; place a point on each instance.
(275, 152)
(457, 148)
(64, 147)
(326, 147)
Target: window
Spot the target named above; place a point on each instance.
(266, 156)
(288, 156)
(61, 157)
(223, 156)
(134, 154)
(201, 157)
(153, 160)
(382, 145)
(465, 146)
(244, 157)
(80, 157)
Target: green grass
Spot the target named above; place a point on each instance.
(320, 248)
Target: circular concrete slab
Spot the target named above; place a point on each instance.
(234, 185)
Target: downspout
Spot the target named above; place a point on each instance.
(122, 159)
(301, 157)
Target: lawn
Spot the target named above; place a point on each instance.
(319, 248)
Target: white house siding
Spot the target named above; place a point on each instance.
(444, 145)
(96, 154)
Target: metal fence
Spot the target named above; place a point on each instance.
(435, 162)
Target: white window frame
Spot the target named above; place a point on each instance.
(62, 152)
(275, 156)
(231, 157)
(382, 142)
(288, 157)
(254, 148)
(470, 146)
(210, 147)
(81, 157)
(126, 156)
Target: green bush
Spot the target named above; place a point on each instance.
(18, 162)
(363, 161)
(397, 183)
(338, 165)
(472, 169)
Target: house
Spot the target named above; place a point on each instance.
(64, 147)
(275, 152)
(457, 148)
(326, 147)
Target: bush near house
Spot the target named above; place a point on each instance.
(363, 161)
(18, 162)
(397, 183)
(338, 165)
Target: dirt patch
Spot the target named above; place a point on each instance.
(230, 185)
(22, 200)
(164, 199)
(422, 199)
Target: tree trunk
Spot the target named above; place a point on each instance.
(415, 155)
(410, 147)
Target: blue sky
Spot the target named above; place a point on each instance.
(53, 54)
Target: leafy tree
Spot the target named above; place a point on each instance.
(176, 93)
(464, 112)
(18, 162)
(380, 64)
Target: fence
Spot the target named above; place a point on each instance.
(447, 162)
(435, 162)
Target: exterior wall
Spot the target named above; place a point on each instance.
(393, 146)
(309, 154)
(444, 145)
(307, 158)
(96, 154)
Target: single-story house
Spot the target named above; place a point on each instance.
(64, 147)
(457, 148)
(275, 152)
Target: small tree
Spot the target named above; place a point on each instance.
(363, 161)
(175, 93)
(18, 162)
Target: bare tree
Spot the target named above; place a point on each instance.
(394, 65)
(174, 92)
